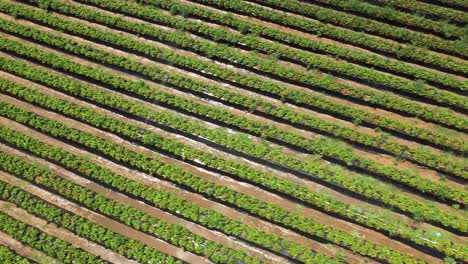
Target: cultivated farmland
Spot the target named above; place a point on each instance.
(233, 131)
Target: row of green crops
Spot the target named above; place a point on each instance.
(39, 240)
(80, 226)
(154, 141)
(317, 145)
(137, 219)
(418, 155)
(428, 10)
(256, 63)
(307, 59)
(355, 38)
(452, 3)
(296, 96)
(155, 167)
(161, 199)
(362, 24)
(394, 16)
(9, 256)
(253, 31)
(362, 185)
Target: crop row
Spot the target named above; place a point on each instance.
(322, 147)
(453, 3)
(9, 256)
(80, 226)
(306, 59)
(363, 186)
(274, 69)
(152, 140)
(355, 38)
(252, 205)
(362, 24)
(420, 156)
(153, 95)
(162, 200)
(137, 219)
(428, 10)
(292, 95)
(252, 30)
(50, 245)
(161, 54)
(393, 16)
(317, 145)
